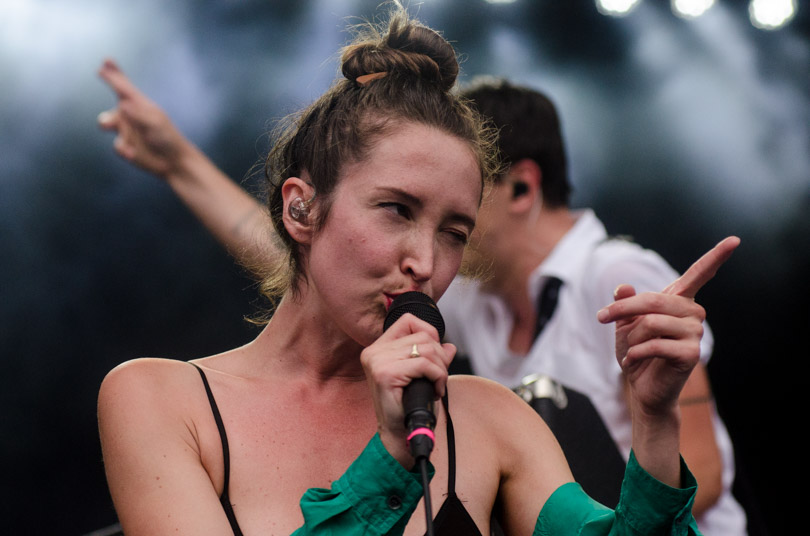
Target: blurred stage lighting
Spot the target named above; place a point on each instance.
(616, 8)
(691, 9)
(771, 14)
(500, 1)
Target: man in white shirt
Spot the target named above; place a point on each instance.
(526, 235)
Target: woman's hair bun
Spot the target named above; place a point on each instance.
(405, 48)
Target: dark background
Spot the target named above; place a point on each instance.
(680, 132)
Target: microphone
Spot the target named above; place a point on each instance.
(417, 397)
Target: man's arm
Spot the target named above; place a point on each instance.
(147, 138)
(698, 443)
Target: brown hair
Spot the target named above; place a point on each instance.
(528, 127)
(420, 69)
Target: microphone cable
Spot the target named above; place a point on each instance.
(423, 468)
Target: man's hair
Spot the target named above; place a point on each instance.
(528, 127)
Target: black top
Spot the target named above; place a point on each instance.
(452, 519)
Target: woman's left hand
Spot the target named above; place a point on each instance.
(658, 334)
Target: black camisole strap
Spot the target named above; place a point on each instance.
(452, 519)
(451, 448)
(226, 456)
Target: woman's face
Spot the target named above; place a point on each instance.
(399, 221)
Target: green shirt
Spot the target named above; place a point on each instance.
(646, 507)
(377, 496)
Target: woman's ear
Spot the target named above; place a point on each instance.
(298, 218)
(526, 178)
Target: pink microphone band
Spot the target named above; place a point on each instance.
(422, 431)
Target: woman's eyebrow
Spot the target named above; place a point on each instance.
(416, 202)
(403, 195)
(463, 219)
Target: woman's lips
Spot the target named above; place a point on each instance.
(389, 297)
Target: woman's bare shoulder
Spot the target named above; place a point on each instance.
(150, 404)
(146, 373)
(483, 402)
(154, 425)
(484, 398)
(151, 385)
(476, 389)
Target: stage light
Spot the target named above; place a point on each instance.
(771, 14)
(690, 9)
(616, 8)
(500, 1)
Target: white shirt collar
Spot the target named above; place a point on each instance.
(566, 259)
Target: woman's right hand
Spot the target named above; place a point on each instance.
(146, 135)
(389, 368)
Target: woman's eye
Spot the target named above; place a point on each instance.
(397, 208)
(458, 236)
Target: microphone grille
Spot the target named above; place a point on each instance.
(418, 304)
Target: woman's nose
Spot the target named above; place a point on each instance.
(418, 259)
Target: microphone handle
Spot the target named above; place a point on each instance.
(417, 401)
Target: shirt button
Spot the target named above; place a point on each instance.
(394, 502)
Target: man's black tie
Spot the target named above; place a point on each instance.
(546, 303)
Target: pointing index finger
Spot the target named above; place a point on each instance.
(703, 269)
(118, 81)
